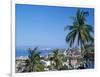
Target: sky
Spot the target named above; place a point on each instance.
(43, 26)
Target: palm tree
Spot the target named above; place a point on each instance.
(57, 59)
(79, 31)
(33, 62)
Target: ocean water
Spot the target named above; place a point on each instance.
(22, 52)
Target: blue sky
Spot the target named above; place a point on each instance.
(43, 26)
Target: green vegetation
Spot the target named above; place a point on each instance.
(57, 59)
(80, 31)
(33, 62)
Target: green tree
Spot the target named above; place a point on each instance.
(79, 31)
(57, 59)
(33, 62)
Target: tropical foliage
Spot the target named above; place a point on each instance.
(33, 62)
(56, 60)
(79, 31)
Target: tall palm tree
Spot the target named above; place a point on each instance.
(79, 31)
(33, 62)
